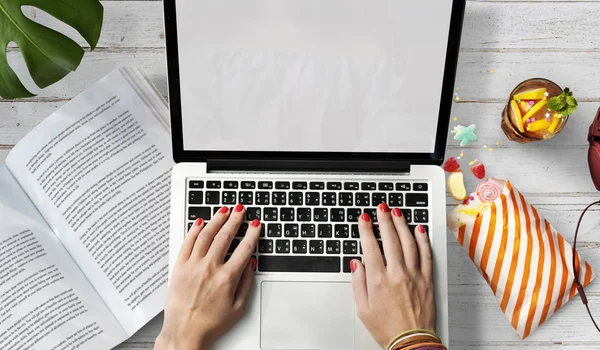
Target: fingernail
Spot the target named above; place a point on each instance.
(198, 222)
(421, 229)
(365, 217)
(253, 264)
(384, 207)
(255, 223)
(353, 266)
(239, 207)
(397, 212)
(223, 210)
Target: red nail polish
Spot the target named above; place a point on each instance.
(365, 217)
(239, 207)
(421, 229)
(397, 212)
(198, 222)
(255, 223)
(353, 266)
(253, 264)
(384, 207)
(223, 210)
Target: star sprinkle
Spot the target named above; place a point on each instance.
(546, 94)
(454, 118)
(465, 134)
(457, 98)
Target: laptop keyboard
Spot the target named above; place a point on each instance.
(307, 226)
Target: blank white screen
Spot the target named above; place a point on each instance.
(312, 75)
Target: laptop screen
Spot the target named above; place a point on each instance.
(312, 75)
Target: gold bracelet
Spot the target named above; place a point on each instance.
(412, 331)
(422, 345)
(414, 338)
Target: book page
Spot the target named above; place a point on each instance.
(47, 303)
(99, 172)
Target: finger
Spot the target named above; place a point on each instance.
(391, 242)
(359, 285)
(190, 239)
(409, 246)
(371, 253)
(425, 255)
(245, 249)
(205, 240)
(223, 239)
(244, 286)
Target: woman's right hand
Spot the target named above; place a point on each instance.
(398, 296)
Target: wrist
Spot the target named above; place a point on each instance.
(167, 341)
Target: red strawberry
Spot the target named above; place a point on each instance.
(478, 170)
(451, 165)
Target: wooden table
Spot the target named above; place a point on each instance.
(503, 43)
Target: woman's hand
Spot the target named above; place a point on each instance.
(398, 296)
(207, 296)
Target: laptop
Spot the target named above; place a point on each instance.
(310, 113)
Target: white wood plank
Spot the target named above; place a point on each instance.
(3, 153)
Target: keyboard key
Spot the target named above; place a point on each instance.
(402, 186)
(396, 200)
(420, 187)
(299, 246)
(241, 232)
(361, 199)
(229, 197)
(282, 246)
(341, 231)
(253, 213)
(269, 263)
(279, 198)
(333, 247)
(307, 230)
(189, 225)
(290, 230)
(199, 212)
(346, 199)
(262, 230)
(282, 185)
(247, 198)
(286, 214)
(265, 185)
(216, 209)
(416, 200)
(212, 197)
(320, 214)
(248, 185)
(352, 186)
(265, 246)
(329, 198)
(378, 198)
(407, 213)
(317, 185)
(324, 231)
(299, 185)
(195, 197)
(213, 184)
(372, 214)
(376, 231)
(350, 247)
(353, 215)
(336, 215)
(234, 244)
(336, 186)
(368, 186)
(354, 231)
(196, 184)
(270, 214)
(295, 198)
(316, 246)
(274, 230)
(421, 215)
(230, 184)
(386, 186)
(262, 198)
(312, 198)
(347, 260)
(303, 214)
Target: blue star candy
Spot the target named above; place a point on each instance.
(465, 135)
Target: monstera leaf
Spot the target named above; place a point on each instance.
(49, 55)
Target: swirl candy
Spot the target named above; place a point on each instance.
(487, 191)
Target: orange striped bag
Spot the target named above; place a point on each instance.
(525, 261)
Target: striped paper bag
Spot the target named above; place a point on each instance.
(525, 261)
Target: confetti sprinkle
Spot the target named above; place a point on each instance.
(454, 203)
(471, 163)
(497, 142)
(492, 71)
(457, 88)
(546, 94)
(519, 100)
(457, 157)
(462, 153)
(465, 134)
(457, 98)
(484, 146)
(531, 103)
(490, 149)
(472, 198)
(454, 118)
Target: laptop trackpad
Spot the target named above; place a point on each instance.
(306, 315)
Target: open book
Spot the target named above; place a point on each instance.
(84, 220)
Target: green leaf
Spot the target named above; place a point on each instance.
(556, 103)
(569, 110)
(571, 101)
(49, 55)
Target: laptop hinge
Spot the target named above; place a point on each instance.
(305, 165)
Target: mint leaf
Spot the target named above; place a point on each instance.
(571, 101)
(563, 104)
(556, 103)
(569, 110)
